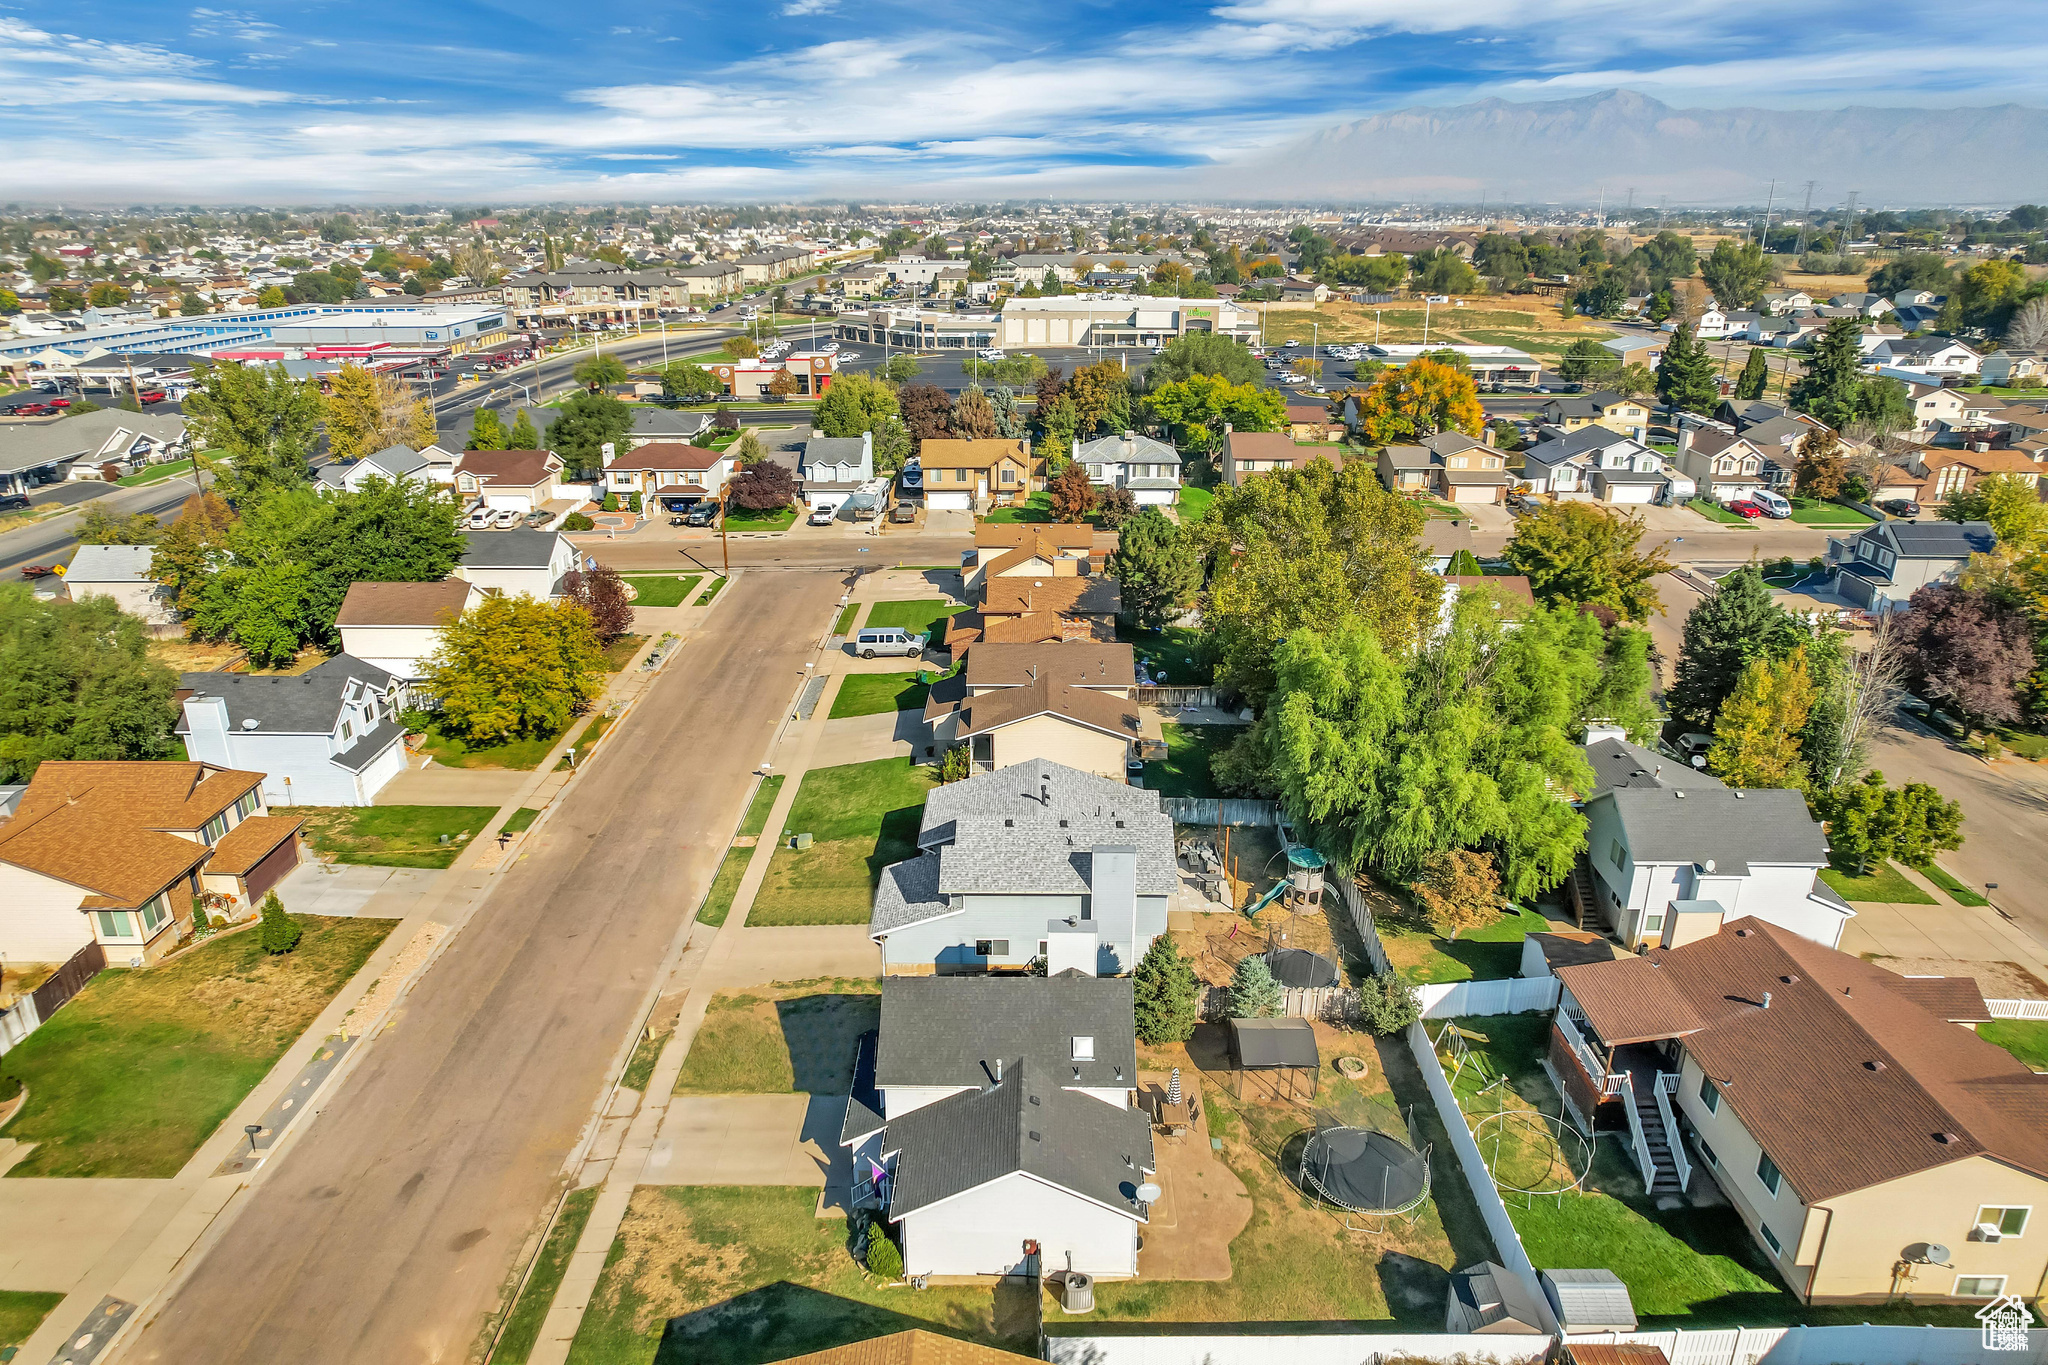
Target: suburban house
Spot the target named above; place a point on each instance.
(1672, 854)
(991, 1114)
(1009, 860)
(33, 454)
(1597, 463)
(961, 475)
(395, 626)
(1726, 467)
(1934, 357)
(392, 464)
(1263, 452)
(1869, 305)
(522, 480)
(329, 737)
(1615, 411)
(673, 474)
(834, 468)
(1019, 610)
(1449, 465)
(2009, 363)
(1296, 290)
(1442, 538)
(1785, 300)
(1880, 567)
(114, 853)
(517, 561)
(1069, 701)
(122, 573)
(1149, 468)
(1935, 475)
(1310, 420)
(1028, 549)
(653, 423)
(1873, 1145)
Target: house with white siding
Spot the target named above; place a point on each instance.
(396, 626)
(1150, 469)
(328, 737)
(994, 1112)
(517, 561)
(121, 572)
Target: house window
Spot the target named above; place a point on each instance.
(1009, 475)
(115, 923)
(1614, 852)
(1084, 1048)
(1706, 1151)
(1652, 924)
(346, 732)
(959, 476)
(154, 914)
(2010, 1222)
(1767, 1171)
(246, 807)
(991, 947)
(1710, 1095)
(214, 829)
(1979, 1286)
(1771, 1237)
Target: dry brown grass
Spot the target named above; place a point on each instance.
(205, 656)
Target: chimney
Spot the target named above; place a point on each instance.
(1113, 892)
(1684, 437)
(1486, 435)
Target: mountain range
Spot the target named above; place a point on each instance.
(1570, 151)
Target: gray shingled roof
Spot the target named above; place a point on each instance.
(1028, 830)
(1936, 539)
(908, 893)
(949, 1030)
(1028, 1124)
(306, 704)
(1714, 824)
(1618, 763)
(515, 549)
(375, 741)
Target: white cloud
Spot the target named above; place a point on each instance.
(798, 8)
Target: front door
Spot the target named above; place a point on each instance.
(980, 487)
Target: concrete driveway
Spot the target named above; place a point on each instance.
(435, 785)
(861, 739)
(315, 888)
(750, 1140)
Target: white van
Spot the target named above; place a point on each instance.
(1774, 504)
(888, 640)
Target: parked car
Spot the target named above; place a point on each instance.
(153, 396)
(888, 640)
(1900, 507)
(506, 519)
(57, 403)
(1774, 504)
(1290, 344)
(1521, 504)
(14, 502)
(33, 410)
(538, 518)
(903, 513)
(704, 513)
(480, 519)
(823, 516)
(1746, 509)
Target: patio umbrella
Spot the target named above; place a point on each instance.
(1173, 1087)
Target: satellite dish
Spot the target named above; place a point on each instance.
(1927, 1253)
(1148, 1193)
(1937, 1253)
(1699, 761)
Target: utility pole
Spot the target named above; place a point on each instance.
(1769, 204)
(1805, 220)
(1603, 208)
(1849, 220)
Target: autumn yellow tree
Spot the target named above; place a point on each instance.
(1756, 736)
(1458, 890)
(368, 411)
(1420, 399)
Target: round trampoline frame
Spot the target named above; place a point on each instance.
(1407, 1210)
(1333, 970)
(1553, 1126)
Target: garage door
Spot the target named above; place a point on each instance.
(1631, 492)
(947, 502)
(1474, 492)
(272, 869)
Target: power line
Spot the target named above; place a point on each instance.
(1805, 219)
(1849, 226)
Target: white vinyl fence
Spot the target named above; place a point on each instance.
(2018, 1009)
(1508, 995)
(18, 1022)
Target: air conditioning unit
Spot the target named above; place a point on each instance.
(1986, 1232)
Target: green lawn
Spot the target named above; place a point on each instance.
(1483, 954)
(845, 621)
(1189, 751)
(21, 1312)
(869, 694)
(1713, 511)
(1175, 656)
(1814, 512)
(731, 868)
(662, 590)
(585, 742)
(521, 755)
(743, 1275)
(1038, 507)
(393, 836)
(713, 590)
(521, 820)
(1957, 891)
(141, 1067)
(788, 1037)
(155, 473)
(618, 653)
(537, 1296)
(926, 614)
(862, 817)
(2026, 1039)
(1193, 504)
(1883, 884)
(748, 519)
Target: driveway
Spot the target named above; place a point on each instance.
(316, 888)
(435, 785)
(64, 1227)
(861, 739)
(750, 1140)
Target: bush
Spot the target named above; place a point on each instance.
(610, 503)
(634, 505)
(576, 521)
(956, 765)
(882, 1255)
(1387, 1004)
(280, 933)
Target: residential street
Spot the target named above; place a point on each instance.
(389, 1232)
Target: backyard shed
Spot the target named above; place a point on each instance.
(1492, 1299)
(1589, 1300)
(1273, 1046)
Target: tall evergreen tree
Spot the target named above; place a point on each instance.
(1755, 376)
(1685, 376)
(1163, 991)
(1157, 566)
(1740, 622)
(1833, 373)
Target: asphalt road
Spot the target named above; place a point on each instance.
(387, 1234)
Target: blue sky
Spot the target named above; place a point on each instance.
(116, 101)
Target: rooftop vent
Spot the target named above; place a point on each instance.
(1873, 1066)
(249, 723)
(1947, 1139)
(1789, 979)
(1742, 933)
(1738, 795)
(1679, 795)
(1767, 999)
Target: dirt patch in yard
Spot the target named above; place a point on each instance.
(1998, 980)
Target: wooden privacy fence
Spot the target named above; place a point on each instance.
(35, 1009)
(1155, 695)
(1211, 810)
(1331, 1004)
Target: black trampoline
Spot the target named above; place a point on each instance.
(1301, 970)
(1365, 1171)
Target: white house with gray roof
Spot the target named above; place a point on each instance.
(329, 737)
(834, 468)
(517, 561)
(33, 454)
(1009, 860)
(993, 1111)
(1150, 469)
(393, 464)
(1672, 854)
(1880, 568)
(122, 573)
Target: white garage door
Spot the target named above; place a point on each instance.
(1631, 492)
(518, 502)
(1473, 492)
(949, 502)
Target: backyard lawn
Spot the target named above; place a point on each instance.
(1883, 884)
(1173, 657)
(1193, 504)
(1037, 508)
(662, 590)
(726, 885)
(861, 817)
(788, 1037)
(537, 1296)
(1189, 751)
(1483, 954)
(21, 1312)
(2026, 1039)
(140, 1068)
(870, 694)
(926, 614)
(392, 836)
(452, 751)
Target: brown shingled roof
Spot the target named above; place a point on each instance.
(1845, 1078)
(914, 1347)
(250, 842)
(403, 604)
(1066, 535)
(1088, 663)
(508, 468)
(102, 826)
(1098, 710)
(1087, 595)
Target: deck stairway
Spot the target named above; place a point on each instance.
(1641, 1064)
